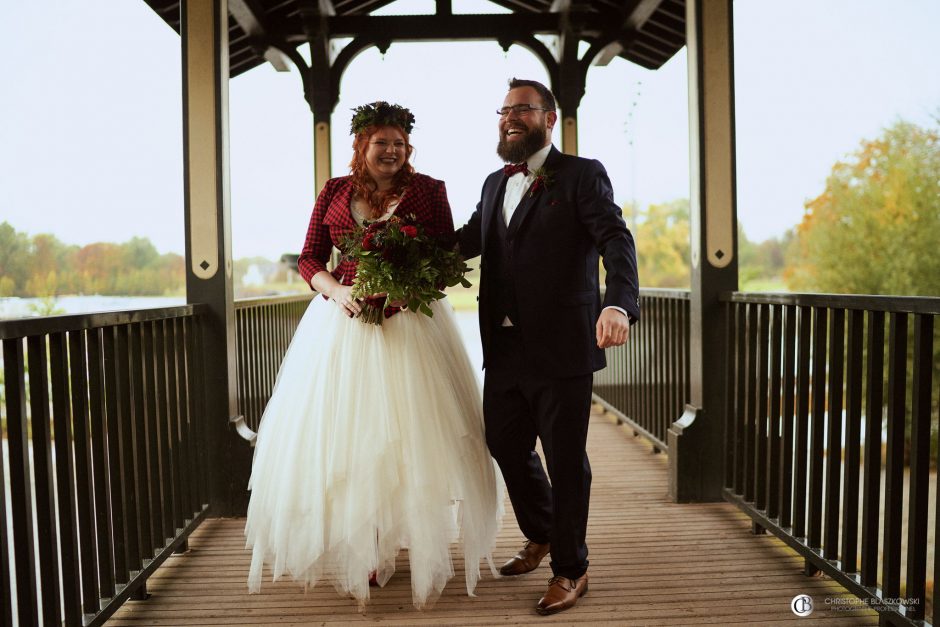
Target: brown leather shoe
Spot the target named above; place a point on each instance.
(562, 594)
(526, 560)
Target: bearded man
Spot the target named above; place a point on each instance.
(542, 223)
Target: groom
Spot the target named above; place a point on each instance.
(541, 224)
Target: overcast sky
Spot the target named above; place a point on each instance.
(91, 148)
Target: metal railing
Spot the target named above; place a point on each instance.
(646, 382)
(263, 331)
(105, 440)
(825, 405)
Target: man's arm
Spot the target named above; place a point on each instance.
(470, 235)
(606, 227)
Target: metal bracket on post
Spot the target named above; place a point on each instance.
(684, 463)
(242, 429)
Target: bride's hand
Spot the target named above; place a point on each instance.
(342, 295)
(392, 303)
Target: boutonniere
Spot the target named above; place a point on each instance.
(543, 178)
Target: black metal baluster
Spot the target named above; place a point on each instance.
(151, 435)
(760, 398)
(270, 368)
(199, 441)
(834, 447)
(85, 489)
(677, 403)
(6, 588)
(257, 390)
(853, 437)
(801, 461)
(141, 459)
(915, 583)
(740, 408)
(21, 502)
(127, 468)
(631, 375)
(750, 408)
(820, 328)
(874, 418)
(664, 418)
(788, 416)
(187, 447)
(240, 366)
(731, 432)
(773, 464)
(894, 457)
(46, 536)
(173, 424)
(67, 510)
(160, 422)
(99, 465)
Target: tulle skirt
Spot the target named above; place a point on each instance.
(372, 442)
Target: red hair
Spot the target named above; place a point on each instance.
(364, 185)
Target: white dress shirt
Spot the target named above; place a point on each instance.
(516, 187)
(517, 184)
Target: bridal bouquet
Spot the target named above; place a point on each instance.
(397, 258)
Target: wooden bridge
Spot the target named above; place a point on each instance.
(113, 463)
(653, 562)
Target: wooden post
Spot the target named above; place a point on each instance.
(205, 56)
(572, 75)
(322, 98)
(696, 440)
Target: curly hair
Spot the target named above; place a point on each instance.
(364, 185)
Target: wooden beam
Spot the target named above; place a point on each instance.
(641, 12)
(457, 27)
(250, 18)
(637, 17)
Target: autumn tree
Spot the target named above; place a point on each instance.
(44, 266)
(662, 244)
(663, 249)
(876, 226)
(14, 260)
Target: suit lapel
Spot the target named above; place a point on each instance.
(493, 203)
(530, 197)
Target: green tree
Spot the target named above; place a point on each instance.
(876, 226)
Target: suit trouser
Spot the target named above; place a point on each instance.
(518, 406)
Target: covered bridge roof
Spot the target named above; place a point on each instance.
(646, 32)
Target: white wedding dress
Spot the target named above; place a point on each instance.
(372, 442)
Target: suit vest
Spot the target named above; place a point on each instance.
(502, 289)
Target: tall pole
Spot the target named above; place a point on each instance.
(696, 440)
(204, 40)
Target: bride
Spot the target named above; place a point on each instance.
(373, 438)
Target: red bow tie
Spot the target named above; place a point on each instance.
(513, 168)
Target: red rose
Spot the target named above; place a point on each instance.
(410, 231)
(368, 242)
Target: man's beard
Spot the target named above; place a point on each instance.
(519, 151)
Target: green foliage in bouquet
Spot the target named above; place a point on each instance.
(397, 258)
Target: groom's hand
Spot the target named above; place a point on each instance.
(613, 328)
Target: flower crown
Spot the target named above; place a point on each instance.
(381, 113)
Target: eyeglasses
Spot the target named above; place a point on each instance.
(519, 109)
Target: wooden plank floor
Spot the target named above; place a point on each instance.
(652, 563)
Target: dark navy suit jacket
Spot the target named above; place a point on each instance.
(557, 236)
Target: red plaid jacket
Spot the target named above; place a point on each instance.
(425, 197)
